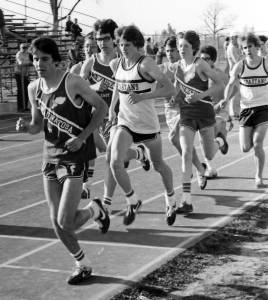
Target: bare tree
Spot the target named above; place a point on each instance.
(55, 6)
(215, 19)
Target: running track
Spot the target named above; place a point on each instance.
(34, 265)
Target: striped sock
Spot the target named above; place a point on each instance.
(186, 192)
(107, 200)
(90, 172)
(78, 256)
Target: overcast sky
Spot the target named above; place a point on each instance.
(153, 15)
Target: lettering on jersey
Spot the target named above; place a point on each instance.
(188, 90)
(128, 87)
(98, 78)
(57, 121)
(254, 81)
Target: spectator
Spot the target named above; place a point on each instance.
(23, 62)
(75, 30)
(4, 31)
(68, 24)
(149, 51)
(74, 54)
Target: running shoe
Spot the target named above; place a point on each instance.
(145, 161)
(85, 193)
(103, 219)
(170, 215)
(211, 173)
(202, 179)
(80, 274)
(225, 147)
(132, 210)
(184, 208)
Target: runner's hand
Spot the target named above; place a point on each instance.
(133, 98)
(103, 86)
(74, 144)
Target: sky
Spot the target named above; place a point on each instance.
(152, 16)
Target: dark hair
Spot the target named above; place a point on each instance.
(192, 38)
(46, 45)
(263, 38)
(211, 51)
(171, 41)
(227, 39)
(133, 34)
(105, 26)
(251, 38)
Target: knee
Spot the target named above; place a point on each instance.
(246, 148)
(257, 147)
(158, 165)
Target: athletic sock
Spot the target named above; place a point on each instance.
(186, 192)
(131, 198)
(139, 154)
(170, 198)
(80, 258)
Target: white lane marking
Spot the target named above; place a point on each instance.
(111, 244)
(161, 259)
(20, 145)
(113, 216)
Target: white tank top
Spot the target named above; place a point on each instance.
(253, 85)
(142, 116)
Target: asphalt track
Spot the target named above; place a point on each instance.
(34, 264)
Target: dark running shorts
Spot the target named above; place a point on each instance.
(140, 137)
(252, 117)
(62, 171)
(196, 125)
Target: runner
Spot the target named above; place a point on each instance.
(59, 105)
(252, 76)
(136, 77)
(99, 73)
(172, 110)
(209, 54)
(233, 56)
(197, 113)
(90, 48)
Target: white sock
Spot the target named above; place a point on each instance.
(186, 198)
(133, 199)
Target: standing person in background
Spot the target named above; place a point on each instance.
(68, 24)
(75, 30)
(74, 54)
(60, 106)
(234, 55)
(5, 32)
(252, 76)
(148, 48)
(139, 81)
(22, 65)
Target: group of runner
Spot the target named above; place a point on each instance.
(81, 112)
